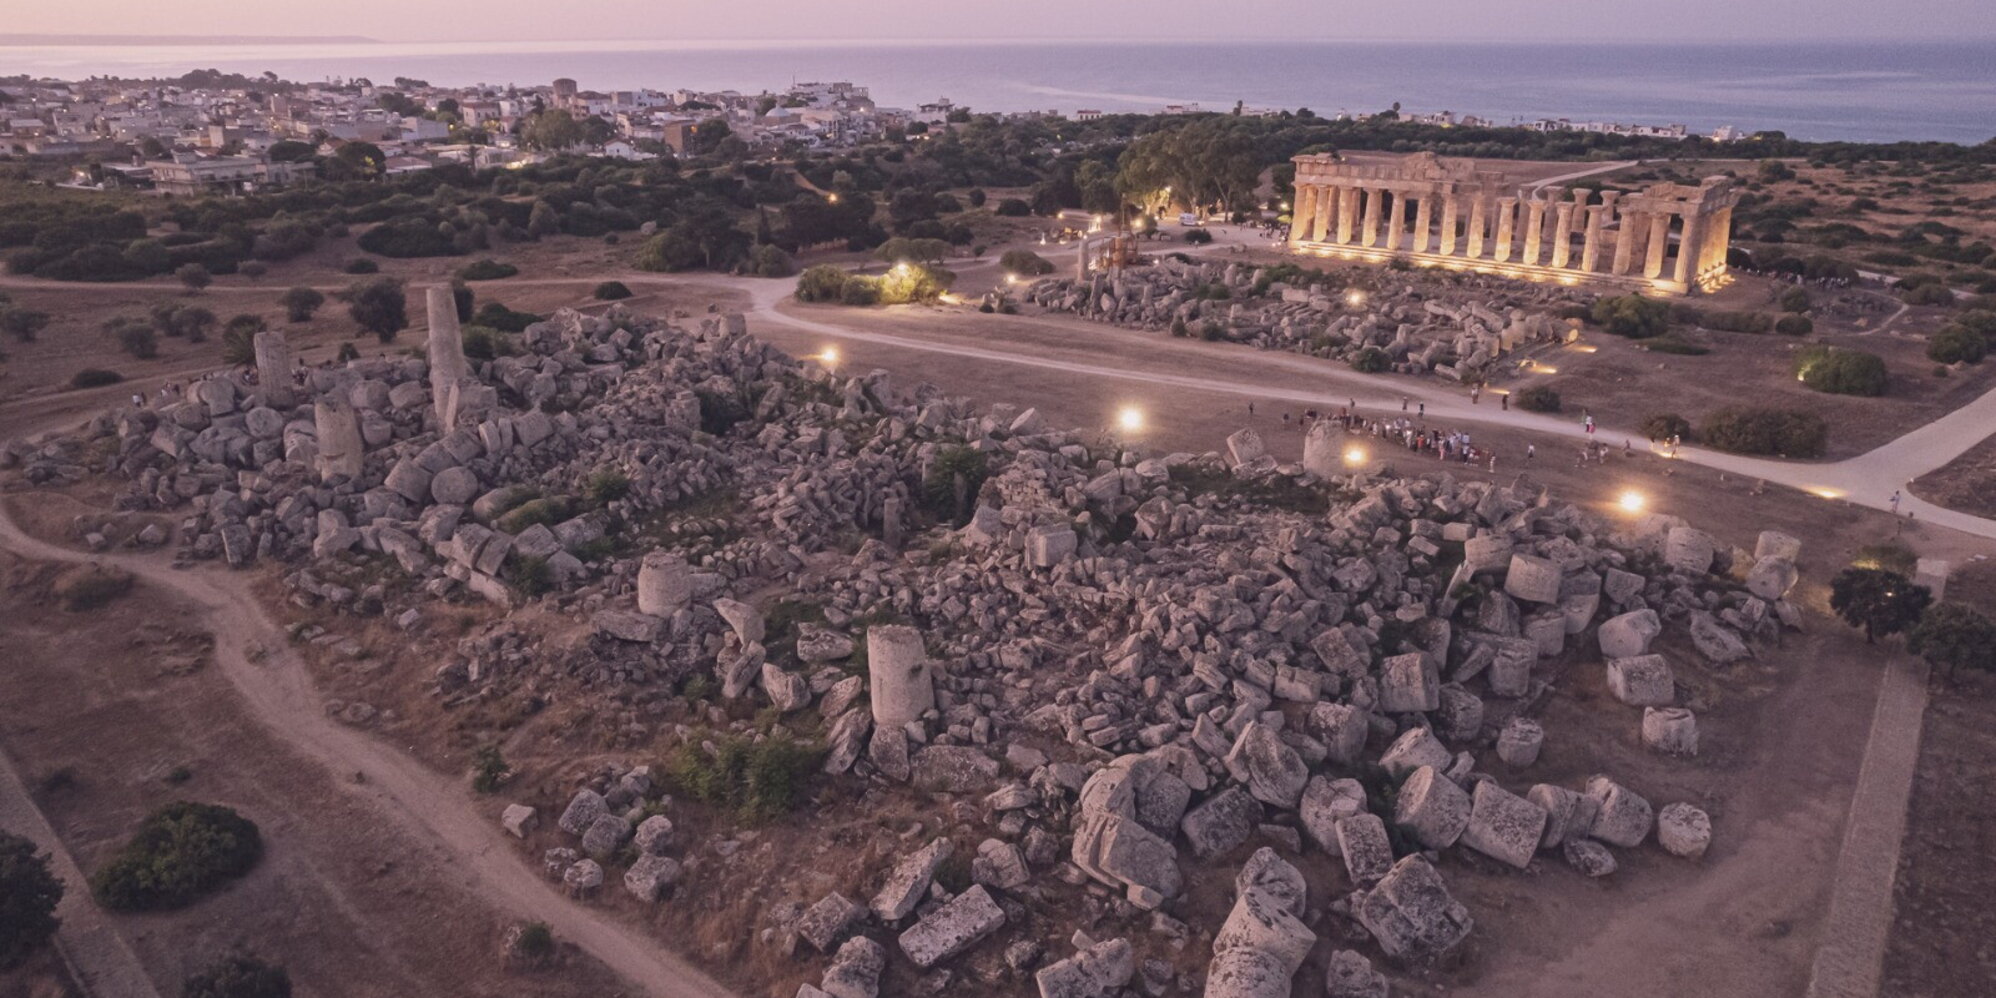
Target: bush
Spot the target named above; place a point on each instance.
(1794, 300)
(534, 944)
(378, 306)
(87, 587)
(1665, 425)
(1766, 431)
(1794, 325)
(1025, 263)
(252, 269)
(1197, 237)
(415, 236)
(1957, 344)
(238, 975)
(770, 261)
(756, 780)
(1371, 360)
(23, 324)
(180, 852)
(1672, 345)
(611, 291)
(489, 770)
(486, 270)
(195, 276)
(362, 266)
(299, 303)
(1735, 322)
(1212, 332)
(940, 483)
(483, 342)
(1934, 295)
(28, 896)
(606, 485)
(1538, 398)
(1841, 372)
(822, 283)
(1632, 316)
(134, 336)
(1952, 635)
(94, 377)
(1013, 208)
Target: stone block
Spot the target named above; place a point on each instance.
(1670, 730)
(1274, 772)
(1519, 742)
(1221, 822)
(1431, 808)
(1409, 683)
(1051, 545)
(1690, 550)
(1503, 825)
(1533, 579)
(1625, 816)
(1629, 634)
(909, 881)
(1416, 747)
(1411, 913)
(1642, 681)
(952, 928)
(1365, 847)
(1326, 802)
(1683, 830)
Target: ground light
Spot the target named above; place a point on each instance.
(829, 356)
(1354, 455)
(1632, 501)
(1130, 418)
(1355, 298)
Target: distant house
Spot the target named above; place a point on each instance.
(1087, 114)
(620, 149)
(398, 166)
(190, 176)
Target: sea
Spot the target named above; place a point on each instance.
(1829, 91)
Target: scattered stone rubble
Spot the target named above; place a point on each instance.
(1459, 329)
(1211, 667)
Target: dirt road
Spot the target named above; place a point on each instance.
(257, 659)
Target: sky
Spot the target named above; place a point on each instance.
(1081, 20)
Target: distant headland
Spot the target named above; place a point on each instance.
(24, 40)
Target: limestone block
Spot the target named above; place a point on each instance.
(1775, 544)
(1486, 553)
(1350, 975)
(1411, 913)
(582, 811)
(653, 835)
(1322, 455)
(1098, 971)
(1263, 922)
(1670, 730)
(1683, 830)
(665, 584)
(1459, 717)
(1343, 730)
(605, 835)
(1772, 577)
(1049, 546)
(952, 928)
(1431, 808)
(519, 819)
(828, 922)
(1689, 549)
(855, 969)
(1629, 634)
(1625, 816)
(1589, 857)
(1533, 579)
(1519, 742)
(1366, 848)
(899, 675)
(1409, 683)
(1221, 822)
(1642, 681)
(650, 876)
(1503, 825)
(1510, 669)
(1326, 802)
(909, 881)
(745, 620)
(1416, 747)
(1245, 446)
(454, 486)
(1274, 772)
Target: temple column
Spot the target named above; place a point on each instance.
(1327, 203)
(1688, 246)
(1535, 223)
(1507, 210)
(1396, 222)
(1590, 243)
(1303, 214)
(1659, 244)
(1423, 221)
(1347, 213)
(1625, 240)
(1448, 224)
(1479, 225)
(1369, 232)
(1562, 234)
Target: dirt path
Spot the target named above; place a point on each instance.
(257, 659)
(97, 955)
(1851, 953)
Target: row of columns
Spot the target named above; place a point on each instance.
(1360, 216)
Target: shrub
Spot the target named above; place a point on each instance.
(1776, 432)
(756, 780)
(489, 770)
(94, 377)
(822, 283)
(1890, 556)
(1212, 332)
(1538, 398)
(1841, 372)
(606, 485)
(134, 336)
(378, 306)
(238, 975)
(362, 266)
(1794, 325)
(534, 944)
(415, 236)
(194, 276)
(23, 324)
(252, 269)
(611, 291)
(1024, 262)
(238, 345)
(486, 270)
(299, 303)
(1952, 635)
(1371, 360)
(180, 852)
(913, 284)
(1794, 300)
(1957, 344)
(1632, 316)
(1672, 345)
(1736, 322)
(1934, 295)
(1013, 208)
(1664, 425)
(87, 587)
(494, 315)
(770, 261)
(483, 342)
(941, 482)
(28, 896)
(1198, 237)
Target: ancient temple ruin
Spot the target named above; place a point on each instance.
(1664, 239)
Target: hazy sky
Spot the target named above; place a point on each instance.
(1442, 20)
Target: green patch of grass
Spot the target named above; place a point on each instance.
(756, 781)
(180, 852)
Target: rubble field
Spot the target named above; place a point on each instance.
(855, 684)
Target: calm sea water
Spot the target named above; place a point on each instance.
(1857, 91)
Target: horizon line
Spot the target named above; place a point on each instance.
(84, 40)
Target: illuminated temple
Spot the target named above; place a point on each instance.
(1664, 239)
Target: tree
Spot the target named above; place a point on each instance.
(1882, 602)
(300, 302)
(238, 975)
(1632, 316)
(542, 220)
(194, 276)
(551, 130)
(1841, 371)
(1952, 635)
(28, 896)
(355, 161)
(22, 324)
(1209, 161)
(378, 306)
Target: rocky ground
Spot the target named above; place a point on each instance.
(1118, 668)
(1459, 326)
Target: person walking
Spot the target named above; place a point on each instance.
(1504, 400)
(1895, 502)
(1403, 403)
(1531, 451)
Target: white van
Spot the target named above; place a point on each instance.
(1189, 220)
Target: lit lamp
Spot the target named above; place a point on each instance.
(1632, 501)
(1354, 456)
(1355, 298)
(829, 356)
(1130, 419)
